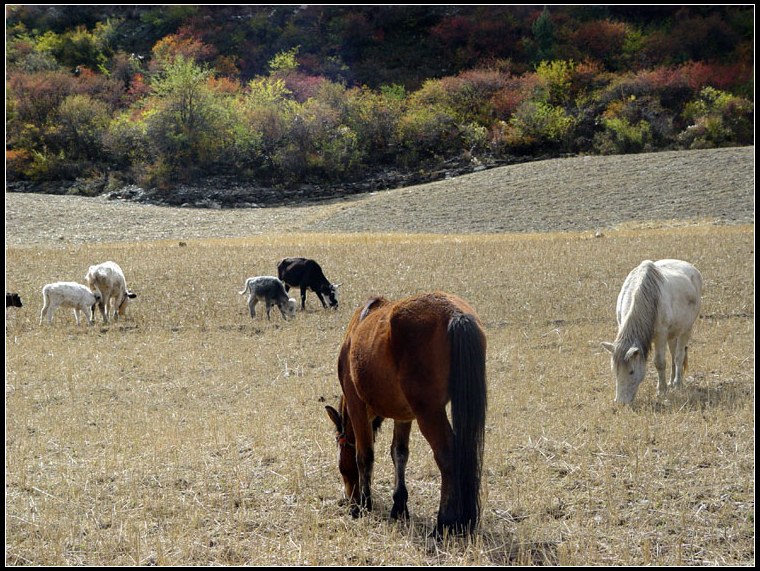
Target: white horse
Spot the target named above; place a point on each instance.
(658, 303)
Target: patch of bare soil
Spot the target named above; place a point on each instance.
(571, 194)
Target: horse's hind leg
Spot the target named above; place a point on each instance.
(437, 431)
(400, 455)
(673, 346)
(678, 351)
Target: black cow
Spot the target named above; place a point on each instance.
(307, 274)
(13, 300)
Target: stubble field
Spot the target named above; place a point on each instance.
(190, 434)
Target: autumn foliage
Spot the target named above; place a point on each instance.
(326, 94)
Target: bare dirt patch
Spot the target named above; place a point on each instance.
(570, 194)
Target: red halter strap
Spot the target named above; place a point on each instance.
(342, 439)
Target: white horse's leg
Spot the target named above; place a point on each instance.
(679, 357)
(673, 346)
(660, 347)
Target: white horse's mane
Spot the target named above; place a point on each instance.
(638, 328)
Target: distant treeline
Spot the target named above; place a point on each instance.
(157, 95)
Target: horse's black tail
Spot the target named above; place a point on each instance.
(467, 383)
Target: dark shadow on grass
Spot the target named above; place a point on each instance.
(498, 546)
(702, 395)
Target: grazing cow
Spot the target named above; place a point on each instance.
(68, 294)
(108, 279)
(271, 291)
(13, 300)
(307, 274)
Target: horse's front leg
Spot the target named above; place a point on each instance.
(660, 348)
(365, 461)
(400, 455)
(361, 496)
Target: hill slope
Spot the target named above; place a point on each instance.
(570, 194)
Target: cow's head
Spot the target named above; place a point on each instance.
(13, 300)
(288, 309)
(331, 291)
(124, 302)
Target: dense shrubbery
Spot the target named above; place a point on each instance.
(79, 107)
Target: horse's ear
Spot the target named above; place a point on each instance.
(609, 346)
(335, 417)
(632, 352)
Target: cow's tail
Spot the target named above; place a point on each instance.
(245, 288)
(467, 383)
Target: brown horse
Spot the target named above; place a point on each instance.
(406, 360)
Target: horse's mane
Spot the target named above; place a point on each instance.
(372, 304)
(638, 329)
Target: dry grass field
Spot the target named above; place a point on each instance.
(190, 434)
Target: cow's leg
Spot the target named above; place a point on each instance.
(51, 311)
(303, 298)
(102, 308)
(45, 307)
(400, 455)
(76, 315)
(252, 301)
(269, 308)
(88, 313)
(322, 299)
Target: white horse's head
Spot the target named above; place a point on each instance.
(629, 367)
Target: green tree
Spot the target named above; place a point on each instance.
(81, 123)
(543, 33)
(284, 61)
(186, 119)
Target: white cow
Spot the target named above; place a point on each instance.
(108, 279)
(68, 294)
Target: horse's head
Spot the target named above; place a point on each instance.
(347, 465)
(629, 367)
